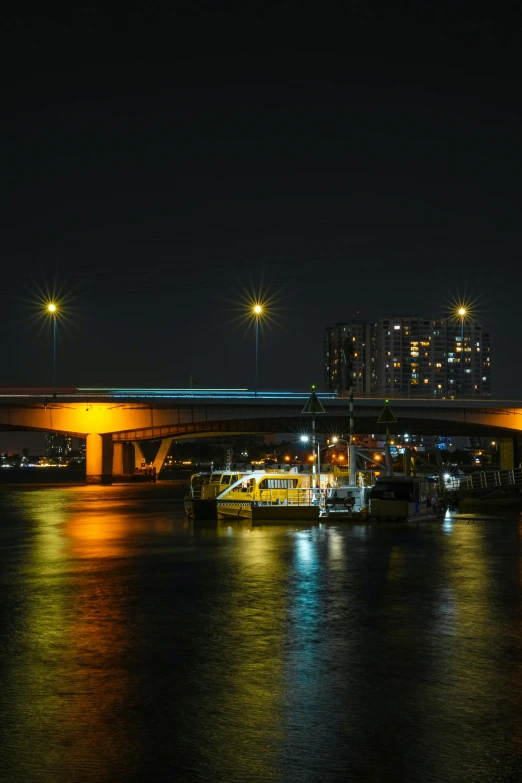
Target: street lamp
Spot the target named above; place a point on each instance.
(314, 456)
(335, 440)
(52, 310)
(257, 310)
(462, 312)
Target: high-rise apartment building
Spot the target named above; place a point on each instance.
(408, 356)
(57, 445)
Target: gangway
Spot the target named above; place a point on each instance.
(484, 479)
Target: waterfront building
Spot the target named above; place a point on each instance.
(57, 446)
(350, 358)
(408, 356)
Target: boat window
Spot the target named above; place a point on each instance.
(392, 490)
(234, 479)
(215, 478)
(225, 479)
(273, 483)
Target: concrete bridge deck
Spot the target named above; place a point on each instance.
(106, 417)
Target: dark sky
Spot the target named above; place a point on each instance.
(157, 166)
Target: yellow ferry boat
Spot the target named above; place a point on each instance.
(275, 494)
(263, 489)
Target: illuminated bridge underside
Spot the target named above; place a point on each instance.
(138, 420)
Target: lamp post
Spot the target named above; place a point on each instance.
(351, 455)
(257, 310)
(336, 440)
(316, 465)
(51, 308)
(462, 315)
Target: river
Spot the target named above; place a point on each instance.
(134, 647)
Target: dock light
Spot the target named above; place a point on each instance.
(51, 307)
(335, 439)
(304, 438)
(258, 309)
(462, 311)
(377, 457)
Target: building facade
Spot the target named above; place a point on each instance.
(408, 356)
(57, 446)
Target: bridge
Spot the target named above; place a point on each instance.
(115, 421)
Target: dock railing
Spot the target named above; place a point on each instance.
(485, 479)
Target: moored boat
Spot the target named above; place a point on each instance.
(404, 498)
(200, 500)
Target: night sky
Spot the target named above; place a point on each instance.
(158, 168)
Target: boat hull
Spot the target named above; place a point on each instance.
(234, 510)
(275, 514)
(201, 510)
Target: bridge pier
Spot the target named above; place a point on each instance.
(163, 450)
(508, 448)
(99, 458)
(123, 460)
(139, 456)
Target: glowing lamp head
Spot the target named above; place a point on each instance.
(258, 309)
(335, 439)
(51, 307)
(462, 312)
(304, 438)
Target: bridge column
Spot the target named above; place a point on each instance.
(99, 459)
(162, 453)
(123, 458)
(139, 456)
(507, 453)
(117, 459)
(129, 460)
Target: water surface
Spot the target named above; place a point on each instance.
(136, 647)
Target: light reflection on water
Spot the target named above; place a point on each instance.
(137, 647)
